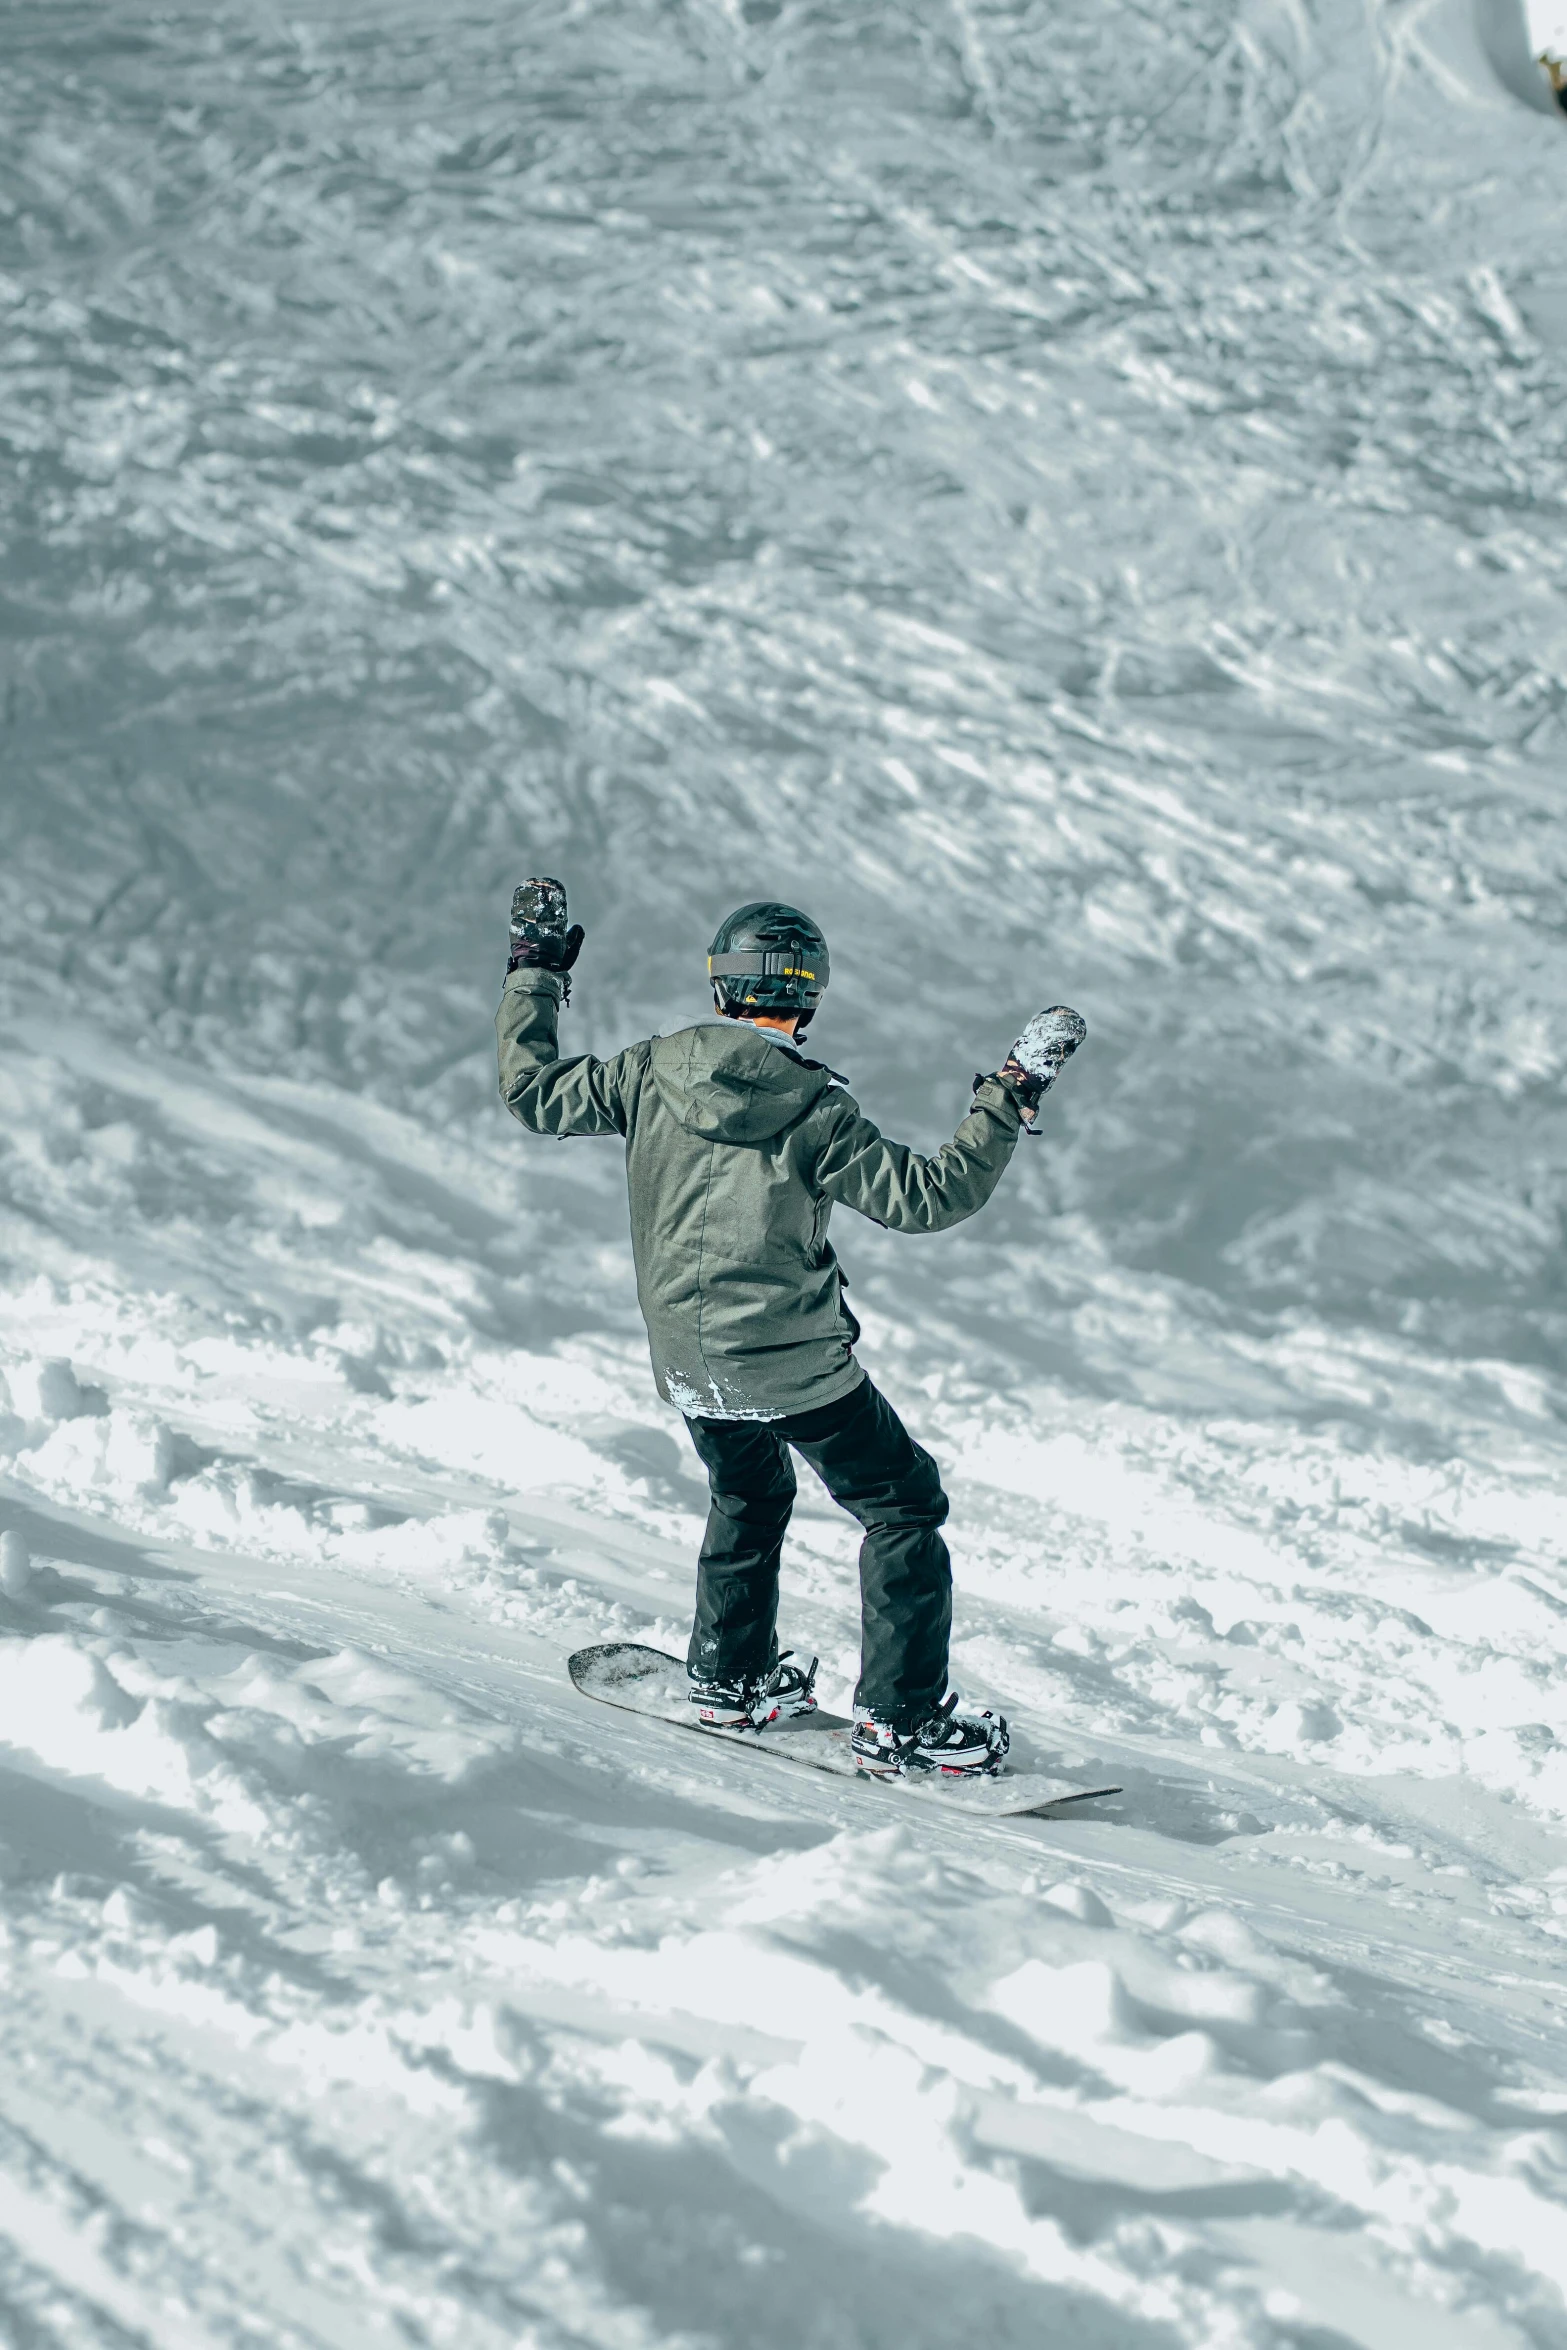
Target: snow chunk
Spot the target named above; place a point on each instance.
(63, 1703)
(16, 1566)
(1070, 2007)
(1080, 1902)
(125, 1454)
(46, 1390)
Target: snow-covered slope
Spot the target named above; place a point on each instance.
(1072, 495)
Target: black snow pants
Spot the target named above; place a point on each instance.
(873, 1468)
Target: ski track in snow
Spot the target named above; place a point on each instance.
(1073, 496)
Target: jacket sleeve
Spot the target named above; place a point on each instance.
(549, 1095)
(905, 1190)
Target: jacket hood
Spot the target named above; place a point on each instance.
(727, 1083)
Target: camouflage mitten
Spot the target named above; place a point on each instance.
(1041, 1053)
(540, 940)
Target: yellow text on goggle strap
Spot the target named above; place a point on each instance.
(789, 971)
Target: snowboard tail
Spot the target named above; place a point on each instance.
(645, 1681)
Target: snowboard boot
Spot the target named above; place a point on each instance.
(946, 1741)
(778, 1696)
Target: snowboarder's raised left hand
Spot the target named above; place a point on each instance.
(1041, 1053)
(540, 940)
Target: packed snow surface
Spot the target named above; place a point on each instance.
(1073, 495)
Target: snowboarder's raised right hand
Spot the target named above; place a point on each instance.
(1041, 1053)
(540, 940)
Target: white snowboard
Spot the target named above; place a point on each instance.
(645, 1681)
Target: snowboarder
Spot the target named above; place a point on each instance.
(737, 1148)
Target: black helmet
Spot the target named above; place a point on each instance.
(768, 958)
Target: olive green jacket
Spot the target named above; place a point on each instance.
(736, 1149)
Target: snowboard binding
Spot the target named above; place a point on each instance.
(957, 1746)
(779, 1696)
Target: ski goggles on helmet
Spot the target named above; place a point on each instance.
(766, 963)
